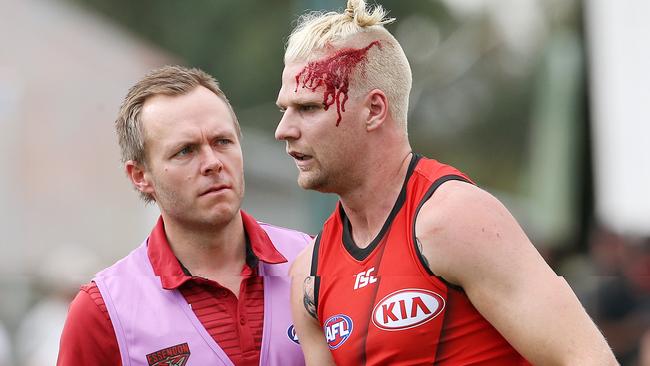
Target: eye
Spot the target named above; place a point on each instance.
(223, 141)
(184, 151)
(309, 107)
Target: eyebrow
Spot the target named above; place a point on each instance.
(191, 141)
(301, 101)
(173, 146)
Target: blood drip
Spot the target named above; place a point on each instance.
(334, 74)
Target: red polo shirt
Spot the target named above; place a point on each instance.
(235, 324)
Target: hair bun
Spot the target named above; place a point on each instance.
(354, 6)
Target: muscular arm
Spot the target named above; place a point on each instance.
(303, 309)
(471, 240)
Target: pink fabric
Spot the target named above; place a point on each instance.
(148, 318)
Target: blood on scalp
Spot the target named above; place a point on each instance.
(333, 73)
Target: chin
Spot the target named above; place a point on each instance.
(219, 220)
(314, 183)
(220, 214)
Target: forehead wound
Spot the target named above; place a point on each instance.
(333, 74)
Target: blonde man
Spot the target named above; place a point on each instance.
(416, 265)
(210, 284)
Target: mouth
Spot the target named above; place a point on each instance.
(215, 189)
(298, 156)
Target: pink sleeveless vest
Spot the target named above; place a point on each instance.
(152, 323)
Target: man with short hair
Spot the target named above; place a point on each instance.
(416, 265)
(210, 285)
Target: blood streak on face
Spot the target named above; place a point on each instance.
(334, 74)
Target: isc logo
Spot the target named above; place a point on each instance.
(406, 309)
(337, 330)
(364, 278)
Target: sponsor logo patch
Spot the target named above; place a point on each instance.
(364, 278)
(407, 308)
(337, 330)
(291, 333)
(171, 356)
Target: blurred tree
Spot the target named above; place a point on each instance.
(239, 42)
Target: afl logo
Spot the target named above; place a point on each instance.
(291, 333)
(337, 330)
(407, 308)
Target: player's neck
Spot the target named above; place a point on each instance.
(210, 253)
(368, 205)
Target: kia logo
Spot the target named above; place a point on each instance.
(407, 308)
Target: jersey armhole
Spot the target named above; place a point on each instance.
(314, 270)
(434, 186)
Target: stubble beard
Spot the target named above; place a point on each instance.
(316, 181)
(310, 183)
(189, 214)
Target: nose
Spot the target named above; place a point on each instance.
(287, 130)
(211, 162)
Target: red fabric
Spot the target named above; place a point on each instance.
(88, 337)
(399, 314)
(235, 324)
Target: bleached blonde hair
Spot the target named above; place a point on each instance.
(319, 33)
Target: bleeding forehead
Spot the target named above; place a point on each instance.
(288, 89)
(330, 73)
(289, 73)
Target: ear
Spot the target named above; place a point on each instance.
(377, 105)
(139, 177)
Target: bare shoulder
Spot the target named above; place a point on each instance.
(464, 227)
(301, 266)
(464, 211)
(457, 200)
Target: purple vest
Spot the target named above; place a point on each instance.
(152, 324)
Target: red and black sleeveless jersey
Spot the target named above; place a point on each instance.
(381, 305)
